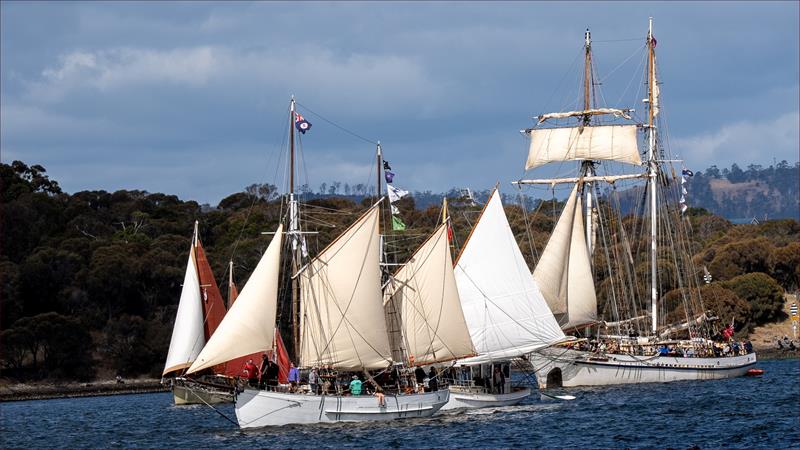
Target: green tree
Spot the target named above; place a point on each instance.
(763, 294)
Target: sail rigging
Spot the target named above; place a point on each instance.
(342, 320)
(505, 311)
(433, 325)
(187, 334)
(564, 271)
(607, 142)
(249, 326)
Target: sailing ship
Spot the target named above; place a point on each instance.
(338, 322)
(506, 314)
(200, 311)
(636, 344)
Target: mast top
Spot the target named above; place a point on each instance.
(588, 38)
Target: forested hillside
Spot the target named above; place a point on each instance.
(91, 280)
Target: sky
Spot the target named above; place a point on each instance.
(192, 98)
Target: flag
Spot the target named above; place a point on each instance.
(395, 194)
(683, 180)
(389, 176)
(687, 172)
(684, 191)
(395, 209)
(301, 124)
(683, 199)
(386, 165)
(397, 224)
(683, 208)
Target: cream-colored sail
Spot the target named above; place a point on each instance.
(564, 273)
(342, 319)
(506, 314)
(249, 326)
(187, 333)
(609, 142)
(434, 329)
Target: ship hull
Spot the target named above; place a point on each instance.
(188, 393)
(557, 367)
(255, 409)
(473, 400)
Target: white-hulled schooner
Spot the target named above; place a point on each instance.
(338, 320)
(505, 312)
(637, 344)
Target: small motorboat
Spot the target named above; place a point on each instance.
(755, 372)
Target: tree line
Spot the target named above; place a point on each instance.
(91, 280)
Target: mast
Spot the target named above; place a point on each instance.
(294, 232)
(651, 160)
(588, 165)
(230, 284)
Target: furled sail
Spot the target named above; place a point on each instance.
(506, 314)
(608, 142)
(249, 326)
(342, 319)
(187, 334)
(564, 273)
(433, 325)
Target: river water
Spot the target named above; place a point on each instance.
(738, 413)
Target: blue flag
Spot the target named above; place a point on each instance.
(301, 124)
(389, 176)
(687, 172)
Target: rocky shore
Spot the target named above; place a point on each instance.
(40, 391)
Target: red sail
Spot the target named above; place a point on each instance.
(282, 360)
(213, 306)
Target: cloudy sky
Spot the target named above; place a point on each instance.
(192, 98)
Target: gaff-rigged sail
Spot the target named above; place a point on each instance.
(608, 142)
(342, 318)
(187, 334)
(213, 306)
(506, 314)
(564, 273)
(249, 326)
(424, 290)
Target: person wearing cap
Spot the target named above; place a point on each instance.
(355, 386)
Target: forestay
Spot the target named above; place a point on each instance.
(504, 309)
(609, 142)
(187, 334)
(425, 292)
(564, 272)
(342, 320)
(249, 325)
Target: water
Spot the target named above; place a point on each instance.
(742, 412)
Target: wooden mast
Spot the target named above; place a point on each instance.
(294, 228)
(588, 165)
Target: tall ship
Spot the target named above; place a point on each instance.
(623, 283)
(355, 327)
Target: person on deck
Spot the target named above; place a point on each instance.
(498, 380)
(273, 372)
(262, 379)
(433, 382)
(313, 381)
(419, 374)
(355, 386)
(250, 371)
(294, 377)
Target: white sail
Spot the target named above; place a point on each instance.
(564, 272)
(424, 289)
(188, 337)
(342, 319)
(609, 142)
(505, 312)
(249, 326)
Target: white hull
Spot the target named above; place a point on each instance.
(581, 368)
(256, 408)
(472, 400)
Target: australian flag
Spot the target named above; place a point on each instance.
(687, 173)
(301, 124)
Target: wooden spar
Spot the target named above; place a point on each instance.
(607, 178)
(587, 75)
(652, 163)
(291, 147)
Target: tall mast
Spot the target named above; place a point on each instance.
(294, 232)
(651, 157)
(588, 166)
(195, 235)
(379, 168)
(230, 284)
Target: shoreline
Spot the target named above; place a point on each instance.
(47, 391)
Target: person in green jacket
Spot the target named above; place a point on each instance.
(355, 386)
